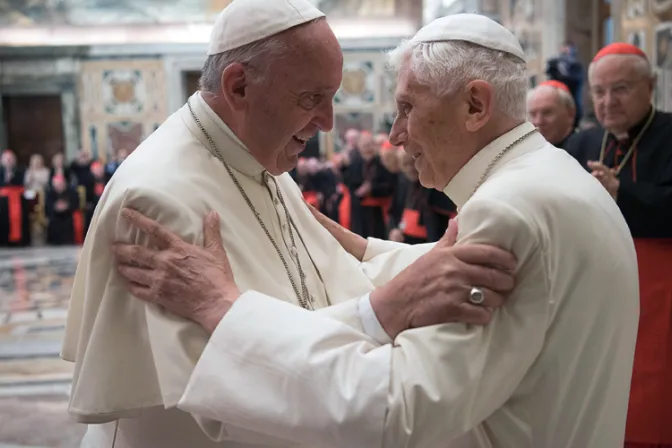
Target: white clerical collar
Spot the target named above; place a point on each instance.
(229, 145)
(461, 187)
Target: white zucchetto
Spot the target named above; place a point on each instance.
(474, 28)
(247, 21)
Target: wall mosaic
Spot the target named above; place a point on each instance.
(121, 103)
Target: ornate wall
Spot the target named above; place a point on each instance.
(121, 103)
(648, 24)
(365, 99)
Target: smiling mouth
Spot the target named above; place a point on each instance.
(299, 140)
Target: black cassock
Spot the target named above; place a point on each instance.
(368, 216)
(63, 224)
(409, 210)
(645, 199)
(645, 192)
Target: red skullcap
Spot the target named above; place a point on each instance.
(556, 84)
(619, 48)
(58, 177)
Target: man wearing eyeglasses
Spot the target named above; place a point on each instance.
(630, 153)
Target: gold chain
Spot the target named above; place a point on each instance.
(304, 298)
(498, 157)
(631, 150)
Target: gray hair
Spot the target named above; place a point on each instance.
(564, 96)
(257, 57)
(449, 66)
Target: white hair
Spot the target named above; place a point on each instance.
(257, 57)
(641, 65)
(449, 66)
(564, 96)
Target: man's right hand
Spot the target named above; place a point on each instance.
(435, 289)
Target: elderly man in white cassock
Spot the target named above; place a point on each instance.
(268, 84)
(553, 367)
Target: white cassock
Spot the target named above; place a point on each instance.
(552, 370)
(133, 360)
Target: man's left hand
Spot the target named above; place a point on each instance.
(176, 273)
(606, 176)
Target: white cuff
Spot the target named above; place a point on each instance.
(370, 322)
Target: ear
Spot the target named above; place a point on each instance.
(480, 98)
(234, 83)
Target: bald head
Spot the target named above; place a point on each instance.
(621, 87)
(553, 111)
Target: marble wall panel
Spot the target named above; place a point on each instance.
(121, 103)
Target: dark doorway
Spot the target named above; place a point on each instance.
(33, 125)
(191, 81)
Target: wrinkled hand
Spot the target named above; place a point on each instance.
(193, 282)
(435, 289)
(607, 177)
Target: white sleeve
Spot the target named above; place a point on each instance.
(301, 376)
(384, 260)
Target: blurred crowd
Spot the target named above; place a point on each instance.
(51, 204)
(372, 188)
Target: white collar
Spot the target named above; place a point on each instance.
(229, 145)
(462, 185)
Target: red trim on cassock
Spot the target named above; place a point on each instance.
(410, 220)
(344, 207)
(99, 188)
(14, 196)
(650, 409)
(383, 203)
(78, 226)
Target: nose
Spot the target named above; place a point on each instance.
(325, 116)
(398, 133)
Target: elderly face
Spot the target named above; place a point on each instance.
(621, 94)
(367, 146)
(430, 129)
(295, 100)
(550, 114)
(84, 156)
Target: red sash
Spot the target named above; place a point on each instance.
(312, 198)
(383, 203)
(344, 207)
(650, 409)
(410, 224)
(78, 226)
(14, 197)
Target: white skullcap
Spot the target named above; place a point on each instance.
(474, 28)
(247, 21)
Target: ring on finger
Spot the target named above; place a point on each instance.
(476, 296)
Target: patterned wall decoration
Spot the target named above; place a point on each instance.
(524, 19)
(365, 99)
(121, 103)
(649, 22)
(359, 84)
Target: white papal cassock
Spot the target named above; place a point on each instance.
(133, 359)
(552, 370)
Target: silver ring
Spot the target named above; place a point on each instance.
(476, 296)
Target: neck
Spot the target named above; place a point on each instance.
(498, 128)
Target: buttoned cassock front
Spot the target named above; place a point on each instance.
(552, 370)
(132, 360)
